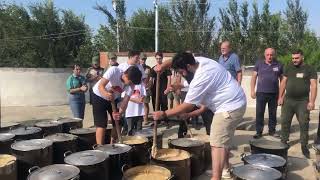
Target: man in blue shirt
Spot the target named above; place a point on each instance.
(269, 73)
(230, 61)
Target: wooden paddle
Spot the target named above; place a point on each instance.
(154, 145)
(114, 109)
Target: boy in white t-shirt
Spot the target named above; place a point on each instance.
(135, 109)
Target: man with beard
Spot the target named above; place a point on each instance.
(300, 84)
(215, 88)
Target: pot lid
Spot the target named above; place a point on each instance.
(56, 171)
(25, 130)
(6, 136)
(33, 144)
(148, 132)
(134, 140)
(61, 137)
(267, 144)
(251, 172)
(86, 158)
(186, 142)
(263, 159)
(9, 124)
(68, 120)
(79, 131)
(114, 149)
(202, 137)
(48, 123)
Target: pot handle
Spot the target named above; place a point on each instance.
(95, 146)
(67, 153)
(169, 141)
(184, 134)
(17, 140)
(124, 168)
(33, 169)
(44, 135)
(75, 178)
(243, 155)
(171, 177)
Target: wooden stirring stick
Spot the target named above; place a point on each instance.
(114, 109)
(154, 145)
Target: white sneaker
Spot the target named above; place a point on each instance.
(226, 174)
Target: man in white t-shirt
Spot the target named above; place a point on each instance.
(108, 88)
(133, 60)
(135, 109)
(213, 87)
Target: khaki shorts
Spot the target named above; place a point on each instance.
(224, 125)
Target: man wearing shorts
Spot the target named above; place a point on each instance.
(109, 87)
(215, 88)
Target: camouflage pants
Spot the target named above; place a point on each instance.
(289, 109)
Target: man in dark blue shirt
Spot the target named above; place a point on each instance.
(269, 73)
(230, 61)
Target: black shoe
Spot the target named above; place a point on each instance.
(305, 151)
(257, 136)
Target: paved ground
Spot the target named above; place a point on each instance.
(299, 167)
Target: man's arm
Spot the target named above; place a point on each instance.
(103, 90)
(253, 84)
(313, 94)
(282, 89)
(180, 109)
(239, 76)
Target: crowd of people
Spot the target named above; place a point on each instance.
(199, 86)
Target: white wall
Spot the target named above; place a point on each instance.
(42, 87)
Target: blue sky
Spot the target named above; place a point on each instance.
(95, 18)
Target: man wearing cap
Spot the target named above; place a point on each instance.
(113, 59)
(147, 71)
(93, 75)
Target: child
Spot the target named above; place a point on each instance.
(135, 109)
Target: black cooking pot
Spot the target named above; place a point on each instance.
(119, 155)
(93, 164)
(268, 160)
(6, 126)
(62, 143)
(54, 172)
(35, 152)
(269, 147)
(6, 139)
(148, 133)
(87, 137)
(70, 123)
(140, 151)
(250, 172)
(26, 133)
(195, 148)
(8, 167)
(50, 127)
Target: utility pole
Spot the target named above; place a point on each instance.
(114, 5)
(156, 26)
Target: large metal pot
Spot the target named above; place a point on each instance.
(207, 150)
(151, 172)
(6, 139)
(87, 137)
(148, 133)
(176, 160)
(35, 152)
(6, 126)
(50, 127)
(62, 143)
(26, 133)
(70, 123)
(8, 167)
(195, 148)
(251, 172)
(54, 172)
(268, 160)
(93, 164)
(119, 155)
(269, 147)
(140, 151)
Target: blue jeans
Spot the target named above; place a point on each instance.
(77, 104)
(262, 100)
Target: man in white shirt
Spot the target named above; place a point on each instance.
(108, 88)
(213, 87)
(133, 60)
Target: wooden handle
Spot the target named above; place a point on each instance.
(114, 109)
(155, 124)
